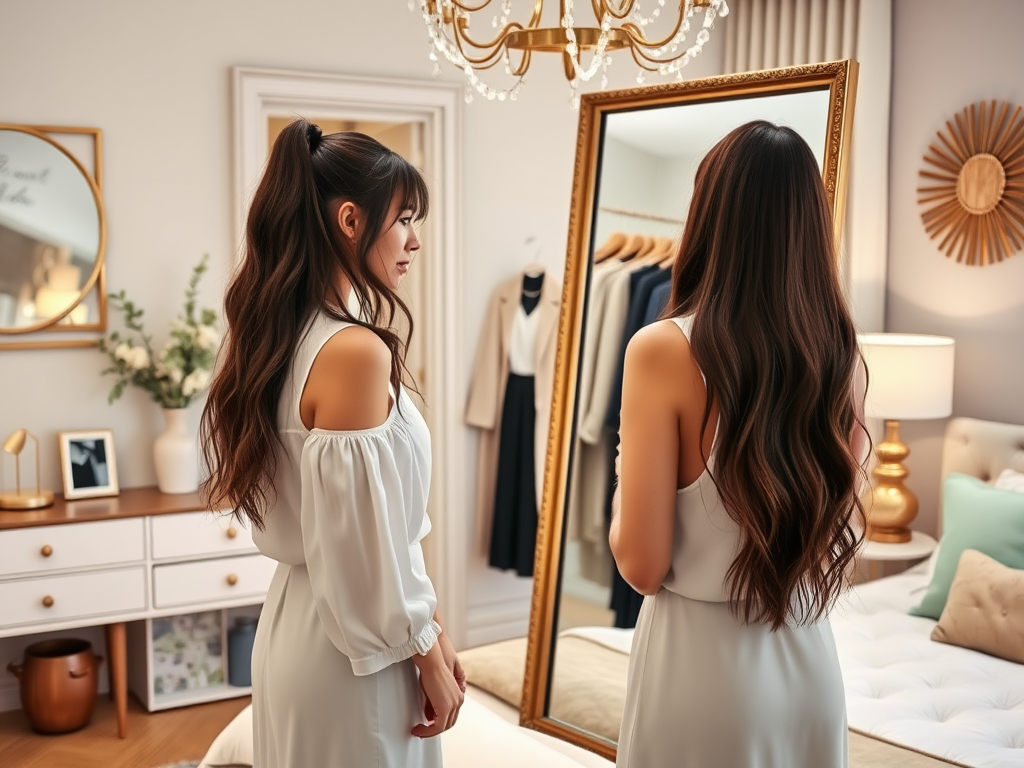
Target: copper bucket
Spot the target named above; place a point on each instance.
(58, 684)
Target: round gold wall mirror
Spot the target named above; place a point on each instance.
(52, 235)
(973, 184)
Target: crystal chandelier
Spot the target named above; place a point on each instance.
(620, 24)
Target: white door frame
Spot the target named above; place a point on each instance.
(263, 93)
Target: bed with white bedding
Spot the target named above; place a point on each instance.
(947, 701)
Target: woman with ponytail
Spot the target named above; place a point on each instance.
(312, 439)
(741, 455)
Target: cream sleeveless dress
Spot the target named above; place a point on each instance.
(707, 691)
(333, 682)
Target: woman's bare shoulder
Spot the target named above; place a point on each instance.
(661, 344)
(347, 387)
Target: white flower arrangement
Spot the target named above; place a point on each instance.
(181, 371)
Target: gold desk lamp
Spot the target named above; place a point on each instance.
(16, 444)
(910, 376)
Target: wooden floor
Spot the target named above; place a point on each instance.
(153, 739)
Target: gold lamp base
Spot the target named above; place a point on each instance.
(35, 500)
(890, 507)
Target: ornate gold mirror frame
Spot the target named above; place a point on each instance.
(839, 79)
(35, 336)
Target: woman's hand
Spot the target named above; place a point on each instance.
(443, 696)
(451, 661)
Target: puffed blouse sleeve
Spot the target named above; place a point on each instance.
(362, 519)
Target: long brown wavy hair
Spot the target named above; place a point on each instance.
(294, 254)
(773, 336)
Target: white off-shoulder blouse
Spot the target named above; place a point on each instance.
(351, 506)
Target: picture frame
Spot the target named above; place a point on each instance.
(88, 465)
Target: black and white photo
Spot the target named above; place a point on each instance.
(87, 464)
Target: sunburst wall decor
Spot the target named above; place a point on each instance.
(973, 184)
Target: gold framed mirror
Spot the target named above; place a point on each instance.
(52, 237)
(636, 154)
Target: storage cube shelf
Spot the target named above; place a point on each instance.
(145, 665)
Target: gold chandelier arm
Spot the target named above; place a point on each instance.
(514, 26)
(616, 13)
(646, 62)
(637, 36)
(489, 58)
(471, 8)
(524, 64)
(538, 9)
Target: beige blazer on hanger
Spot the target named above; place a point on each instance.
(487, 388)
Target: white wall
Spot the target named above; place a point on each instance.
(981, 307)
(155, 79)
(634, 180)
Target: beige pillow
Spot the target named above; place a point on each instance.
(985, 609)
(233, 746)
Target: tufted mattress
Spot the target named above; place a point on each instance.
(902, 686)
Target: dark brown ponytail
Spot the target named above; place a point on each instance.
(293, 256)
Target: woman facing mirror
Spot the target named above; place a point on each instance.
(312, 438)
(741, 450)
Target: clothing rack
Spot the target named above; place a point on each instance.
(639, 215)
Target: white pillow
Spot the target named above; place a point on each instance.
(233, 746)
(1010, 480)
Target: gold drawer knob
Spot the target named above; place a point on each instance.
(46, 551)
(231, 532)
(47, 602)
(232, 579)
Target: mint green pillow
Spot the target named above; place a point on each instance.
(975, 515)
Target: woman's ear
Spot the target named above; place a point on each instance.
(350, 220)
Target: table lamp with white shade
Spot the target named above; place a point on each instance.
(909, 377)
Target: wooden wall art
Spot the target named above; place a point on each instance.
(973, 184)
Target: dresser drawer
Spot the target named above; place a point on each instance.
(78, 545)
(212, 580)
(198, 533)
(80, 595)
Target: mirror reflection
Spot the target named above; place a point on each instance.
(50, 234)
(647, 161)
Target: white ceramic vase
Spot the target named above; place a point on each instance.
(176, 455)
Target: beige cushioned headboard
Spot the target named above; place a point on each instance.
(982, 449)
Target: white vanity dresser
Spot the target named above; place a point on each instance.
(121, 562)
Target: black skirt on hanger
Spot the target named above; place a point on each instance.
(514, 529)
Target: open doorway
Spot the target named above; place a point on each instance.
(422, 121)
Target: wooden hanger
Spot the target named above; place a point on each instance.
(668, 251)
(614, 242)
(653, 252)
(649, 246)
(630, 248)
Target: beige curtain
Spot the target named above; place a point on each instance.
(765, 34)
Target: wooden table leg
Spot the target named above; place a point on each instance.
(117, 651)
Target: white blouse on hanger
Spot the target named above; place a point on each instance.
(522, 352)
